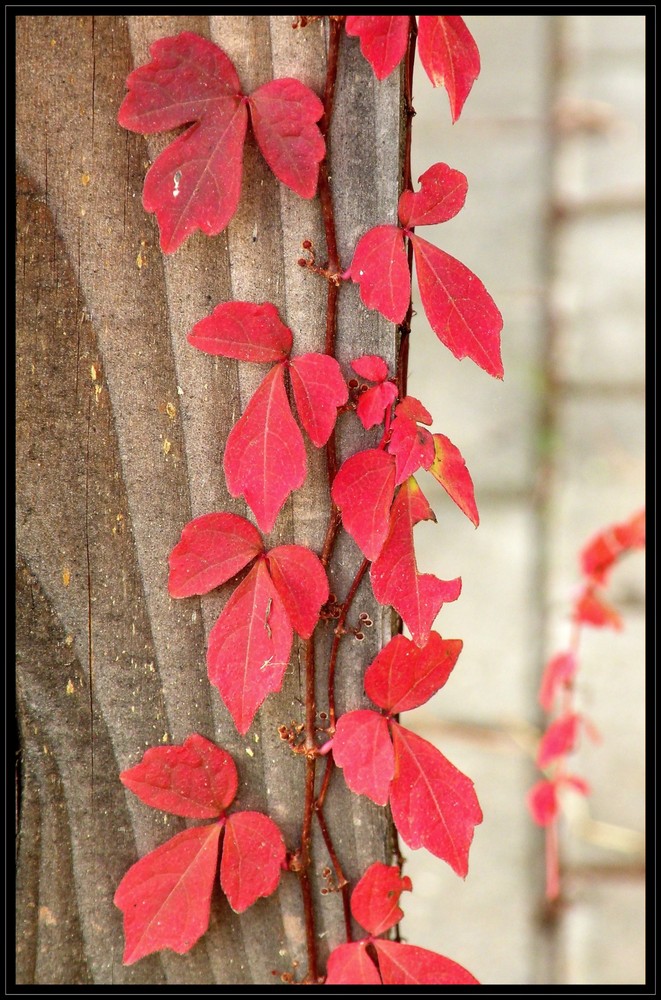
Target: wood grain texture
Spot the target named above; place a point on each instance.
(120, 431)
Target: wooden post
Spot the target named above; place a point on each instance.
(121, 427)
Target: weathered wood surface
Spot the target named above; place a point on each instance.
(120, 432)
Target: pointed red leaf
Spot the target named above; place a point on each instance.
(383, 39)
(449, 469)
(196, 181)
(245, 330)
(213, 548)
(406, 965)
(350, 965)
(302, 585)
(592, 610)
(166, 896)
(265, 453)
(380, 267)
(284, 114)
(195, 779)
(375, 900)
(433, 804)
(558, 672)
(370, 366)
(363, 749)
(559, 739)
(319, 389)
(412, 409)
(373, 403)
(249, 646)
(395, 579)
(412, 446)
(363, 490)
(252, 858)
(542, 800)
(460, 311)
(403, 676)
(450, 57)
(441, 196)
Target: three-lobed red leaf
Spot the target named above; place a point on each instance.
(363, 749)
(441, 196)
(319, 389)
(363, 489)
(409, 965)
(449, 469)
(196, 779)
(248, 331)
(301, 583)
(449, 56)
(265, 453)
(375, 899)
(249, 646)
(252, 858)
(403, 676)
(284, 114)
(380, 267)
(383, 39)
(416, 597)
(212, 549)
(433, 804)
(166, 896)
(350, 965)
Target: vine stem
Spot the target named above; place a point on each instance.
(407, 183)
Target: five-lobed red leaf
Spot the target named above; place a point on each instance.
(212, 549)
(363, 490)
(449, 469)
(265, 453)
(449, 56)
(460, 311)
(166, 896)
(249, 646)
(403, 676)
(441, 196)
(380, 267)
(196, 779)
(248, 331)
(252, 858)
(375, 899)
(383, 39)
(363, 749)
(319, 389)
(350, 965)
(301, 583)
(433, 804)
(417, 597)
(408, 965)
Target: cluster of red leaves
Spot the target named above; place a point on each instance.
(249, 645)
(196, 182)
(373, 960)
(561, 737)
(447, 49)
(460, 311)
(166, 896)
(433, 804)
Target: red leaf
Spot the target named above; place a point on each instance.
(374, 901)
(404, 676)
(599, 555)
(450, 57)
(284, 114)
(543, 803)
(249, 646)
(380, 267)
(371, 367)
(363, 490)
(166, 896)
(383, 40)
(460, 311)
(575, 782)
(433, 804)
(412, 409)
(301, 583)
(449, 469)
(350, 965)
(319, 389)
(363, 749)
(373, 404)
(196, 779)
(558, 740)
(213, 548)
(252, 859)
(243, 330)
(412, 446)
(558, 672)
(195, 183)
(592, 610)
(406, 965)
(265, 454)
(395, 579)
(441, 196)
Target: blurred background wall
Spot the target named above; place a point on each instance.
(552, 142)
